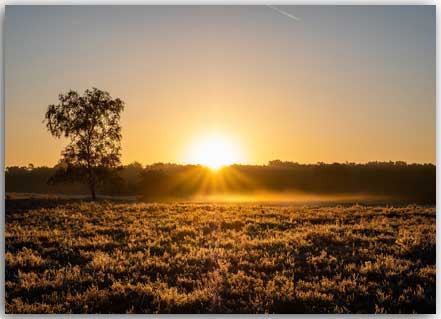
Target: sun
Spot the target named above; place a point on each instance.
(214, 152)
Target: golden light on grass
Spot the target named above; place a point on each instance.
(214, 151)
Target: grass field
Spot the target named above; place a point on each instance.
(82, 257)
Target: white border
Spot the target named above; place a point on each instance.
(220, 2)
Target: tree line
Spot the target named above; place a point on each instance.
(398, 180)
(90, 163)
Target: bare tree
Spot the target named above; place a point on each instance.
(91, 122)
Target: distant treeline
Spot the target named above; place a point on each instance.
(397, 180)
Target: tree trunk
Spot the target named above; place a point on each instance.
(91, 181)
(92, 192)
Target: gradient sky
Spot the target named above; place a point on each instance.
(337, 84)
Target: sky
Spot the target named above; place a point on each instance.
(297, 83)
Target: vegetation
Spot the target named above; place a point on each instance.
(415, 183)
(103, 257)
(91, 122)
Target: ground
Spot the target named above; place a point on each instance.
(108, 257)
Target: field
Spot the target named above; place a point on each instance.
(107, 257)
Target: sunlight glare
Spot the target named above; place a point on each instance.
(214, 152)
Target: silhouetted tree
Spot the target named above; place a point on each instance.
(91, 122)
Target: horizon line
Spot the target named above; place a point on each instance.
(268, 163)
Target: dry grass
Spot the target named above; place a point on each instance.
(230, 258)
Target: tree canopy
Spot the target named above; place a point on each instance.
(91, 122)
